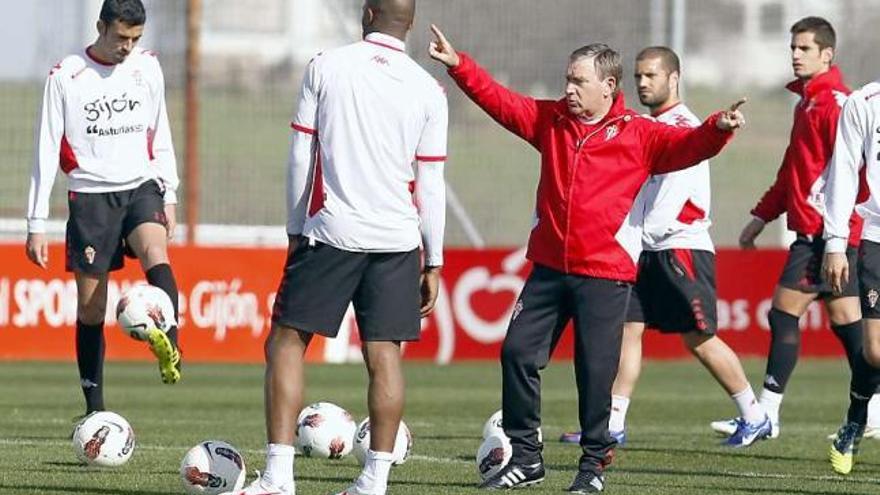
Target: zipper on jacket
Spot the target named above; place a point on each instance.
(577, 153)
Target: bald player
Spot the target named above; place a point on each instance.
(366, 112)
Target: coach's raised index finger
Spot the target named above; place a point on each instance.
(439, 34)
(742, 101)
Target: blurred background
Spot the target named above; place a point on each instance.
(251, 54)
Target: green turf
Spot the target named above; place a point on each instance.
(671, 450)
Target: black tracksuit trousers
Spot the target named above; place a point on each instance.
(549, 300)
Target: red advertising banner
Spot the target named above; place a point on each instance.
(226, 296)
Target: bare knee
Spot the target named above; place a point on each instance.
(92, 312)
(695, 341)
(872, 353)
(283, 339)
(381, 358)
(793, 302)
(154, 254)
(843, 310)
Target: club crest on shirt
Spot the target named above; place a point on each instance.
(610, 132)
(138, 77)
(89, 252)
(872, 295)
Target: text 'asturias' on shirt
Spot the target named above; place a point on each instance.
(105, 126)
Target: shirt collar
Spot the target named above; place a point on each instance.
(830, 79)
(666, 110)
(386, 41)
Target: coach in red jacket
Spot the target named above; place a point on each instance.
(595, 156)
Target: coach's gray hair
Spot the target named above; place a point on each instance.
(606, 61)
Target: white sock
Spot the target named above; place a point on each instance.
(748, 406)
(279, 465)
(619, 405)
(771, 401)
(374, 477)
(874, 412)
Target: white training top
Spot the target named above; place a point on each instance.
(857, 143)
(677, 204)
(366, 112)
(106, 126)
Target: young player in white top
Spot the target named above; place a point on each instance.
(857, 145)
(358, 212)
(103, 122)
(675, 291)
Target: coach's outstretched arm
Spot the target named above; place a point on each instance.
(516, 112)
(672, 148)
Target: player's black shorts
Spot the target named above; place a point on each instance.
(803, 268)
(100, 222)
(869, 279)
(675, 291)
(320, 281)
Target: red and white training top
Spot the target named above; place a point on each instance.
(105, 126)
(366, 112)
(799, 188)
(857, 145)
(677, 204)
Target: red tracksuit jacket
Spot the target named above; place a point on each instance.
(800, 182)
(589, 222)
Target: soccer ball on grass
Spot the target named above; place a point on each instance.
(402, 443)
(212, 467)
(325, 430)
(103, 439)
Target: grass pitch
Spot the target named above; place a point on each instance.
(670, 450)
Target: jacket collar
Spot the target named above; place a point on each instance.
(823, 82)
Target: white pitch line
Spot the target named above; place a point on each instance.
(439, 460)
(827, 477)
(449, 460)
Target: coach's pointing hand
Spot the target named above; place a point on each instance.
(440, 49)
(732, 119)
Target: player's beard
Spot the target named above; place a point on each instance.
(654, 99)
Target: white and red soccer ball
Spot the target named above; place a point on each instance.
(143, 308)
(493, 425)
(494, 453)
(103, 439)
(212, 467)
(325, 430)
(402, 443)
